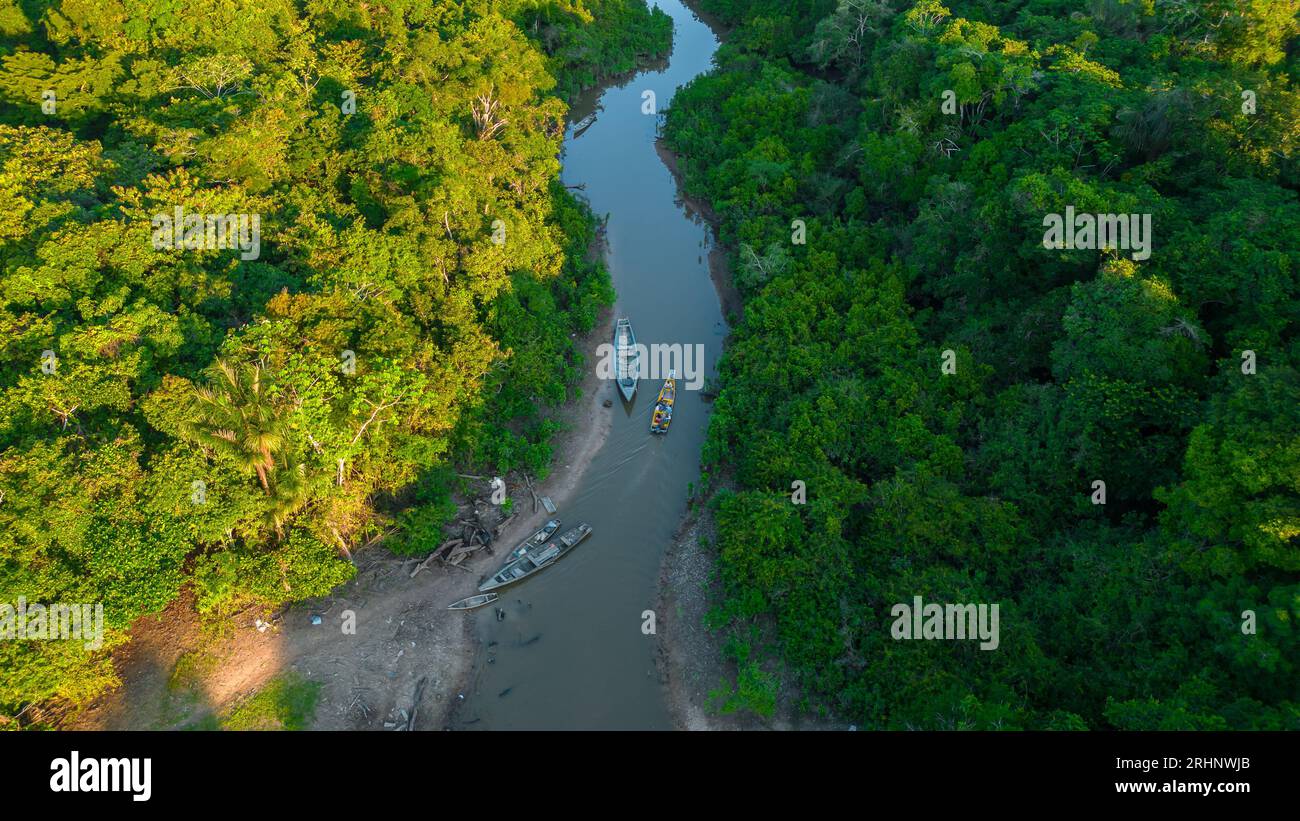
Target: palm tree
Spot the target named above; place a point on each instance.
(238, 417)
(290, 491)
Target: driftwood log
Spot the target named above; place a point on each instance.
(415, 705)
(528, 480)
(449, 544)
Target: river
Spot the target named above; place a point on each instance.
(571, 652)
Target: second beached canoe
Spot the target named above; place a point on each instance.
(534, 540)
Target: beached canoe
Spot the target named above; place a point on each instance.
(535, 558)
(534, 540)
(627, 359)
(663, 413)
(470, 602)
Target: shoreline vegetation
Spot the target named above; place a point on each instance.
(925, 397)
(225, 442)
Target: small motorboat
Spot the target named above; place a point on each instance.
(535, 558)
(627, 359)
(663, 414)
(470, 602)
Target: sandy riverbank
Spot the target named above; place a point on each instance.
(403, 631)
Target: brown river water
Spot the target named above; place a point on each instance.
(571, 652)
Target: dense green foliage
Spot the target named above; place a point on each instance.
(287, 702)
(925, 234)
(242, 422)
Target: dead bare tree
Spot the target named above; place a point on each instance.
(486, 111)
(219, 75)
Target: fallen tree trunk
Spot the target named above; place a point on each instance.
(451, 543)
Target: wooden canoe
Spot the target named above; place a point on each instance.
(627, 359)
(470, 602)
(537, 558)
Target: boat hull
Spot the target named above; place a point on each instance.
(627, 359)
(471, 602)
(542, 557)
(662, 416)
